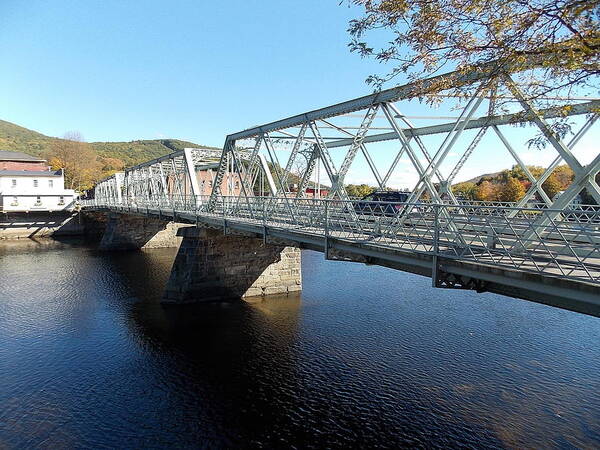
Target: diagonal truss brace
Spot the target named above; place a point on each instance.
(535, 187)
(562, 149)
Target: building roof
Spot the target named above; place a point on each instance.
(8, 155)
(31, 173)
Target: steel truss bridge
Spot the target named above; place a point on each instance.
(543, 249)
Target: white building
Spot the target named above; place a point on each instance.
(28, 184)
(575, 203)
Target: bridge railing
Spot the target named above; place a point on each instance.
(563, 243)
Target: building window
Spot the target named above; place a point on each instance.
(38, 200)
(35, 183)
(15, 201)
(61, 200)
(50, 184)
(14, 183)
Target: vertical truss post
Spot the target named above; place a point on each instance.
(436, 246)
(191, 172)
(216, 190)
(245, 191)
(176, 178)
(276, 168)
(326, 228)
(163, 182)
(253, 168)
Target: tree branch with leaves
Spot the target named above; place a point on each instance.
(77, 158)
(428, 37)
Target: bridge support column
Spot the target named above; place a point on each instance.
(128, 232)
(211, 266)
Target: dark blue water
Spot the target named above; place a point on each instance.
(365, 357)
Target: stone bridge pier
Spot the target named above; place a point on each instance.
(212, 266)
(129, 232)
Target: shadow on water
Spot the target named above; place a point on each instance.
(365, 357)
(229, 368)
(250, 378)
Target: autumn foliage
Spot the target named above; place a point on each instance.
(420, 38)
(83, 167)
(511, 185)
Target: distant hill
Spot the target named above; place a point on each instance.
(15, 137)
(476, 180)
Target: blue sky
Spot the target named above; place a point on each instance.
(192, 70)
(124, 70)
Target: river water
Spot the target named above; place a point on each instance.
(364, 357)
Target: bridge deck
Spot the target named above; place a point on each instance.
(485, 251)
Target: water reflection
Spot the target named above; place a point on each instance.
(364, 357)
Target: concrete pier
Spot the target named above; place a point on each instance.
(211, 266)
(128, 232)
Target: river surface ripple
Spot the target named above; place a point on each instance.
(364, 357)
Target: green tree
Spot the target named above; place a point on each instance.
(466, 189)
(519, 173)
(552, 186)
(111, 165)
(428, 36)
(564, 175)
(486, 192)
(359, 190)
(512, 191)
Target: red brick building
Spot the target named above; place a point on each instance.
(229, 186)
(20, 161)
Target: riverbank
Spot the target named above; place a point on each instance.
(38, 224)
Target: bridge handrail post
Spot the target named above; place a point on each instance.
(326, 228)
(224, 219)
(264, 219)
(436, 246)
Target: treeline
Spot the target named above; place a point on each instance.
(511, 185)
(85, 162)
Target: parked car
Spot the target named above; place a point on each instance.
(385, 203)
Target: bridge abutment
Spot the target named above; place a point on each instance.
(211, 266)
(128, 232)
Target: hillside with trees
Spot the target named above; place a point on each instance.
(85, 163)
(511, 185)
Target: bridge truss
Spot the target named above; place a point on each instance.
(275, 164)
(309, 140)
